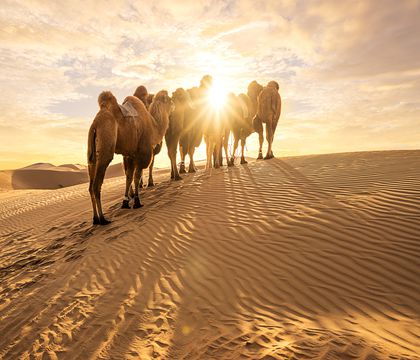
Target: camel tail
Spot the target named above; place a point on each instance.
(91, 155)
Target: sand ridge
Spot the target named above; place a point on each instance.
(305, 257)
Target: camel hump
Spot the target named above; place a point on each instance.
(128, 109)
(244, 105)
(106, 100)
(265, 106)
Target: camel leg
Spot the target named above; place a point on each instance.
(243, 161)
(209, 153)
(220, 153)
(269, 137)
(151, 183)
(191, 167)
(235, 147)
(274, 126)
(131, 191)
(169, 146)
(258, 127)
(261, 140)
(172, 157)
(216, 153)
(225, 146)
(138, 175)
(182, 152)
(129, 170)
(92, 171)
(97, 185)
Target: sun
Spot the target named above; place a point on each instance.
(217, 95)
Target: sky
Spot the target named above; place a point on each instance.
(349, 71)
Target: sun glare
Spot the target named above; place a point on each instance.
(217, 96)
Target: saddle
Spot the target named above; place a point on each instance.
(128, 109)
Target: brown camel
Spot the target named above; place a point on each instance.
(192, 132)
(268, 112)
(129, 130)
(147, 99)
(241, 111)
(237, 112)
(181, 102)
(160, 108)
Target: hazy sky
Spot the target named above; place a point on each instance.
(349, 71)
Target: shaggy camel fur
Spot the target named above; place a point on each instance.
(132, 136)
(147, 99)
(268, 112)
(160, 108)
(192, 132)
(143, 95)
(181, 101)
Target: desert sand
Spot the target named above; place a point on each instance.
(311, 257)
(49, 176)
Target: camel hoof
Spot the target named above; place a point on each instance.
(243, 161)
(104, 221)
(260, 157)
(231, 163)
(150, 184)
(125, 204)
(177, 178)
(182, 169)
(137, 204)
(191, 170)
(268, 157)
(96, 221)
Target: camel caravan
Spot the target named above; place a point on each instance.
(136, 129)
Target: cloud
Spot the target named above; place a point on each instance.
(347, 70)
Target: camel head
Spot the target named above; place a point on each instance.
(107, 101)
(142, 94)
(254, 90)
(150, 98)
(206, 81)
(181, 97)
(273, 84)
(163, 98)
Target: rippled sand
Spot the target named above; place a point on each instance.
(314, 257)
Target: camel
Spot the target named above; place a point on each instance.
(160, 108)
(213, 124)
(192, 132)
(143, 95)
(241, 111)
(181, 102)
(268, 112)
(147, 99)
(129, 130)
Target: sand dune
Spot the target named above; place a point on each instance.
(314, 257)
(49, 176)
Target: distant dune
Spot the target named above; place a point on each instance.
(48, 176)
(312, 257)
